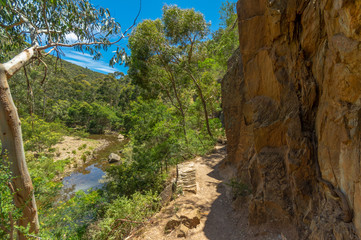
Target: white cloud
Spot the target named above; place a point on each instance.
(71, 37)
(106, 69)
(86, 60)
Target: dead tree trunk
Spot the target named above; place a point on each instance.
(12, 144)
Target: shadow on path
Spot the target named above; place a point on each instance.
(221, 223)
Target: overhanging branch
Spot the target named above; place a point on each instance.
(11, 25)
(16, 63)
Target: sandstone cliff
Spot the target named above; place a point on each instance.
(292, 106)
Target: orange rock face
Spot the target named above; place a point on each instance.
(292, 106)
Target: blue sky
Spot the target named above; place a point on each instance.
(124, 11)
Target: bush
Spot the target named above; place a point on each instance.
(96, 117)
(239, 189)
(126, 179)
(39, 135)
(124, 214)
(42, 171)
(9, 213)
(70, 219)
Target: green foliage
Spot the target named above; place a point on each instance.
(149, 119)
(88, 101)
(39, 135)
(157, 141)
(225, 40)
(181, 25)
(95, 117)
(239, 189)
(82, 147)
(42, 171)
(159, 106)
(124, 214)
(8, 211)
(24, 22)
(83, 157)
(126, 179)
(228, 14)
(69, 219)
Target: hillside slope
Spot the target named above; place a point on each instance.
(71, 69)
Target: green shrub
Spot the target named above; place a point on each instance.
(8, 211)
(239, 188)
(96, 117)
(124, 214)
(42, 171)
(82, 147)
(70, 219)
(83, 157)
(39, 135)
(127, 179)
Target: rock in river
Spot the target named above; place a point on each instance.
(113, 158)
(120, 137)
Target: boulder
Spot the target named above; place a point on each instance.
(171, 225)
(113, 158)
(189, 217)
(182, 231)
(185, 219)
(121, 137)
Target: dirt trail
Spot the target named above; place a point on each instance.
(213, 200)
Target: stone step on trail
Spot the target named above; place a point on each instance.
(186, 177)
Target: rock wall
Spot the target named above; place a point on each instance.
(292, 107)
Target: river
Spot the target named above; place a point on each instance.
(90, 175)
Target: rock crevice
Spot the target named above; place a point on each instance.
(292, 108)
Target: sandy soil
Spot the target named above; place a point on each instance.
(74, 148)
(218, 220)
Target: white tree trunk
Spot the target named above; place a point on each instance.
(12, 144)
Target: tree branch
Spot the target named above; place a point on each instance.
(46, 22)
(45, 71)
(33, 32)
(12, 66)
(49, 52)
(135, 19)
(168, 94)
(48, 31)
(12, 25)
(5, 229)
(73, 44)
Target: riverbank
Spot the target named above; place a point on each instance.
(77, 151)
(86, 161)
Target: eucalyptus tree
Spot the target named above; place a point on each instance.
(225, 40)
(152, 66)
(186, 29)
(28, 28)
(164, 51)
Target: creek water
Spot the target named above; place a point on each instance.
(90, 175)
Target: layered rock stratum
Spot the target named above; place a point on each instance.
(292, 107)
